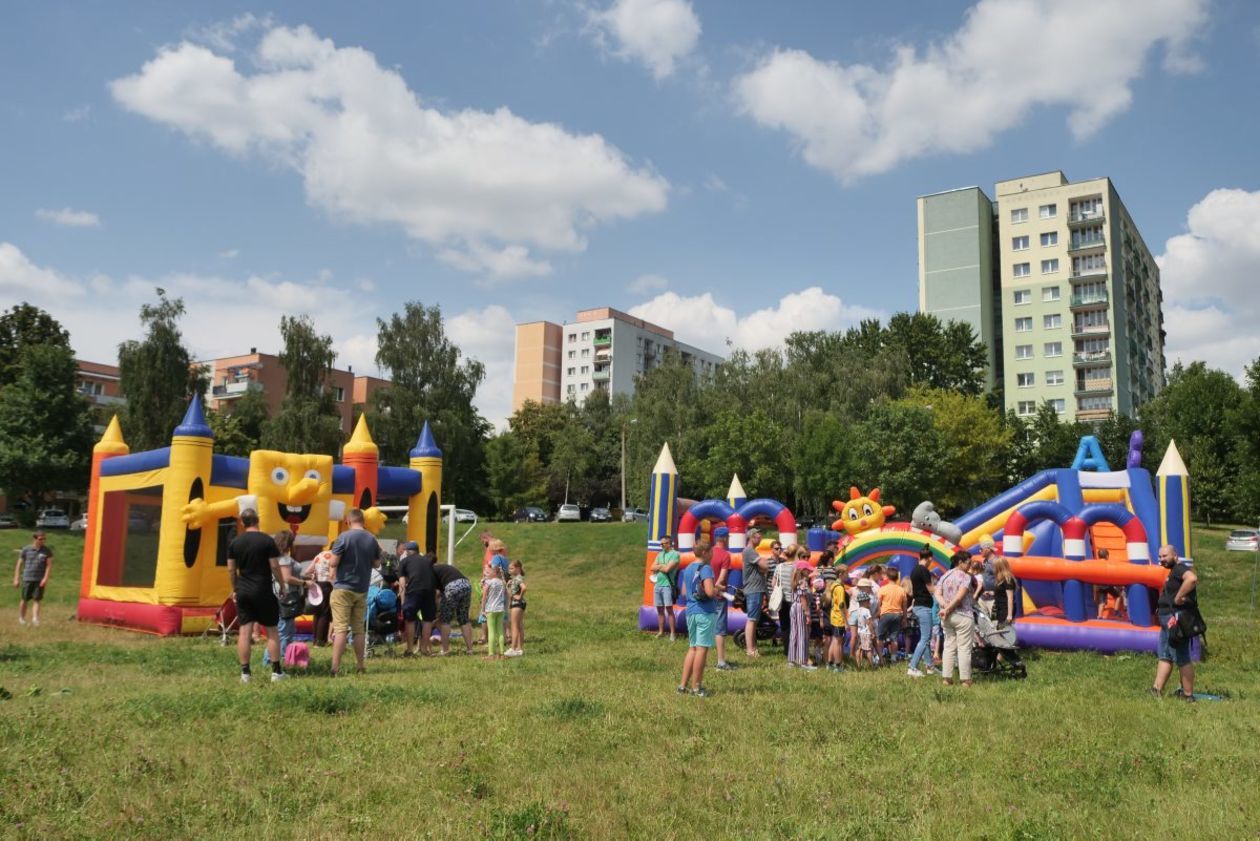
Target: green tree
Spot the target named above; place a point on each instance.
(229, 437)
(749, 443)
(514, 477)
(157, 376)
(974, 448)
(45, 426)
(948, 356)
(572, 454)
(250, 413)
(308, 420)
(897, 448)
(430, 381)
(821, 463)
(22, 326)
(666, 408)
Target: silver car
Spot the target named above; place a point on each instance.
(52, 518)
(1243, 540)
(569, 514)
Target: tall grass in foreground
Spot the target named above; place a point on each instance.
(113, 734)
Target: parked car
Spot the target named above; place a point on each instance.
(138, 522)
(8, 521)
(601, 515)
(530, 514)
(80, 524)
(632, 515)
(1243, 540)
(462, 515)
(569, 514)
(52, 518)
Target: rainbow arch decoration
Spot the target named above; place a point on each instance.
(155, 550)
(893, 540)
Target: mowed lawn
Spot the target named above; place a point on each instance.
(121, 735)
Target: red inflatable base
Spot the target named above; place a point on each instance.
(163, 620)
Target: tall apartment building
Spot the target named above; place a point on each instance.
(1077, 307)
(232, 376)
(603, 349)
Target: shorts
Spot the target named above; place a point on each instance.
(888, 627)
(422, 604)
(864, 642)
(258, 607)
(32, 592)
(349, 611)
(752, 605)
(663, 596)
(700, 629)
(720, 629)
(517, 605)
(456, 599)
(1169, 653)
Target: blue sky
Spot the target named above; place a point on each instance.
(731, 170)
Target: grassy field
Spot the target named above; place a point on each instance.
(113, 734)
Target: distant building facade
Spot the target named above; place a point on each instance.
(602, 349)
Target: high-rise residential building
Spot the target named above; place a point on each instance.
(1076, 297)
(958, 280)
(602, 349)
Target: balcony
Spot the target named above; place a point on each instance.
(1086, 244)
(1090, 415)
(1081, 331)
(1085, 217)
(603, 341)
(1101, 271)
(600, 375)
(232, 390)
(1098, 357)
(1091, 299)
(1098, 385)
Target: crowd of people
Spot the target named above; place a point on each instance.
(822, 617)
(353, 598)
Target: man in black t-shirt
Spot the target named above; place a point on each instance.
(921, 590)
(1178, 598)
(419, 587)
(253, 561)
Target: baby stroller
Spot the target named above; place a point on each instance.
(766, 628)
(226, 622)
(382, 620)
(996, 652)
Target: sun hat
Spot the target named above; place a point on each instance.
(986, 542)
(865, 582)
(314, 595)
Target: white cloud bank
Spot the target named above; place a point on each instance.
(954, 96)
(69, 217)
(485, 190)
(701, 321)
(1209, 276)
(656, 33)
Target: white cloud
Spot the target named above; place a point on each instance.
(489, 336)
(645, 283)
(20, 279)
(701, 321)
(956, 95)
(484, 189)
(230, 253)
(657, 33)
(69, 217)
(1209, 277)
(78, 114)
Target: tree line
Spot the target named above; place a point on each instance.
(900, 405)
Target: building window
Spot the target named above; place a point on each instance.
(585, 386)
(1050, 238)
(1049, 293)
(1059, 405)
(1054, 378)
(1094, 404)
(1019, 243)
(1023, 351)
(1019, 215)
(1026, 408)
(571, 371)
(586, 369)
(586, 352)
(1052, 321)
(573, 354)
(1085, 209)
(1023, 325)
(1025, 380)
(1053, 349)
(339, 393)
(1023, 296)
(573, 337)
(570, 389)
(1048, 211)
(1089, 264)
(586, 335)
(1022, 269)
(1050, 266)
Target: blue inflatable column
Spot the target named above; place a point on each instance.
(1075, 594)
(662, 500)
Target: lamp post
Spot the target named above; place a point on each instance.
(624, 424)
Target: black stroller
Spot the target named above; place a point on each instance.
(766, 629)
(383, 622)
(995, 651)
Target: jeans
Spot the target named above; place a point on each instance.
(959, 630)
(285, 629)
(924, 615)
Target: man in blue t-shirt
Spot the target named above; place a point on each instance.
(701, 614)
(355, 553)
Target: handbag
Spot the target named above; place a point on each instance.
(776, 597)
(1184, 625)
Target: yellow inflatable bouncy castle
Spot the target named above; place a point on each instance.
(160, 521)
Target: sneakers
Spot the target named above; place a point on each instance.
(931, 670)
(725, 667)
(21, 620)
(1182, 696)
(682, 690)
(700, 693)
(246, 677)
(35, 622)
(514, 652)
(809, 667)
(1155, 693)
(914, 673)
(278, 676)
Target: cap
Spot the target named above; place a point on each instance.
(721, 531)
(411, 546)
(864, 597)
(802, 565)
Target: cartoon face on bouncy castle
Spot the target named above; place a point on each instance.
(861, 513)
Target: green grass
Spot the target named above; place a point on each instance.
(113, 734)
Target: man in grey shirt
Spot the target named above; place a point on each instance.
(755, 568)
(34, 565)
(355, 553)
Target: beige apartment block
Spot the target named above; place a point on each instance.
(537, 375)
